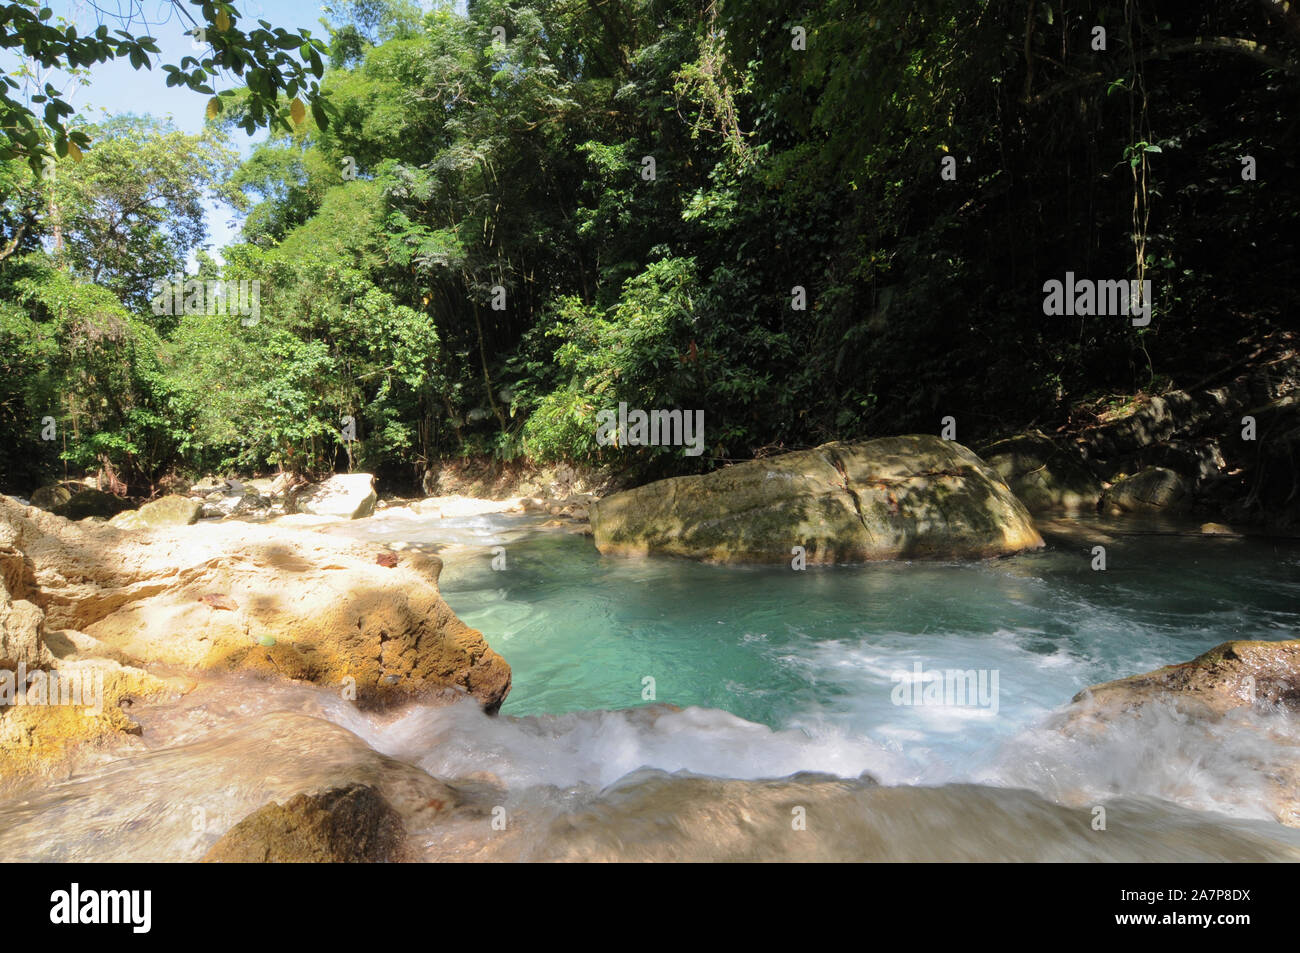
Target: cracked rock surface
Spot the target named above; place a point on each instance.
(892, 498)
(276, 600)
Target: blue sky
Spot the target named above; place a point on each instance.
(115, 87)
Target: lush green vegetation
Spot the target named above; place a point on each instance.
(472, 257)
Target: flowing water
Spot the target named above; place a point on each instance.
(667, 709)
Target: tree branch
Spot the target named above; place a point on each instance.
(1211, 44)
(11, 246)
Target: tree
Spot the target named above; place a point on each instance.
(277, 66)
(132, 212)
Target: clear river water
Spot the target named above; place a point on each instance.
(664, 709)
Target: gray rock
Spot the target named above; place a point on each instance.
(1149, 490)
(1044, 474)
(347, 495)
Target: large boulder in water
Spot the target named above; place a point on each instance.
(895, 497)
(348, 495)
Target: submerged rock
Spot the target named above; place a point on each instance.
(349, 825)
(228, 769)
(896, 497)
(348, 495)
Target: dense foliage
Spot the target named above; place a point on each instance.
(814, 222)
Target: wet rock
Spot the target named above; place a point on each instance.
(349, 825)
(41, 740)
(234, 770)
(1243, 697)
(892, 498)
(1232, 675)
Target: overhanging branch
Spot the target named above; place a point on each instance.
(1258, 52)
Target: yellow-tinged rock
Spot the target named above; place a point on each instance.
(207, 596)
(892, 498)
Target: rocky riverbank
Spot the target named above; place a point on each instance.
(1226, 449)
(249, 580)
(275, 599)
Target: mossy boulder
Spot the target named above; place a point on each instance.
(896, 497)
(1043, 473)
(167, 511)
(48, 497)
(1150, 490)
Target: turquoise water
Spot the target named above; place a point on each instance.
(784, 685)
(821, 651)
